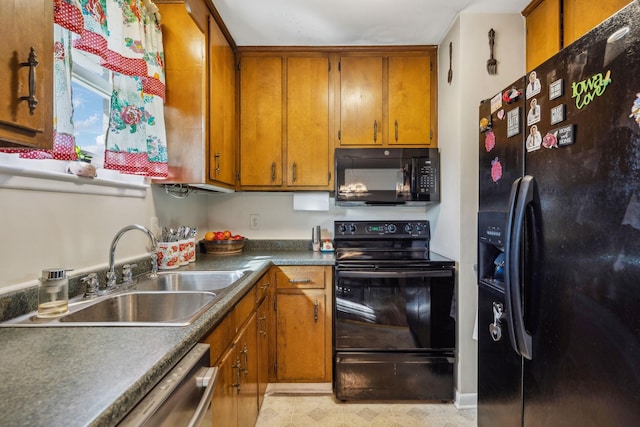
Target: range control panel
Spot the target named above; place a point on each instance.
(390, 229)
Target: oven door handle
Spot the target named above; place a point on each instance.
(396, 273)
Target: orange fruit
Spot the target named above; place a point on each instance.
(210, 235)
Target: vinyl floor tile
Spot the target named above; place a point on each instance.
(326, 411)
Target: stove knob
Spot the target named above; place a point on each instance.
(391, 228)
(408, 228)
(352, 228)
(418, 228)
(342, 228)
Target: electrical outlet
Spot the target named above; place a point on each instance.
(254, 221)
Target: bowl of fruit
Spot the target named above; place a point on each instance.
(222, 243)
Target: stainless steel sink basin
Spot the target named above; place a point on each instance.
(191, 281)
(170, 299)
(139, 308)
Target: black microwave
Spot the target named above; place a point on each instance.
(387, 176)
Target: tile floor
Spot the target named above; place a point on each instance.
(325, 410)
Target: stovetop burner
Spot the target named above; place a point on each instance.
(389, 243)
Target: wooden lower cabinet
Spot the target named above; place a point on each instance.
(280, 331)
(234, 350)
(303, 324)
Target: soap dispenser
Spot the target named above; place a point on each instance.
(53, 293)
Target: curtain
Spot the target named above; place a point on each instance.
(126, 36)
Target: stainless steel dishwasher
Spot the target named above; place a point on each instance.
(182, 397)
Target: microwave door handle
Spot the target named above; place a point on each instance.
(208, 380)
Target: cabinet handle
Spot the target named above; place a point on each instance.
(295, 171)
(245, 354)
(217, 163)
(263, 331)
(375, 130)
(237, 383)
(315, 311)
(396, 128)
(273, 172)
(32, 63)
(300, 280)
(266, 286)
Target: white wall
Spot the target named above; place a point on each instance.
(50, 229)
(458, 137)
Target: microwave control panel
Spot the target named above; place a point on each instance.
(425, 177)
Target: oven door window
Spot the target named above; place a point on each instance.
(394, 310)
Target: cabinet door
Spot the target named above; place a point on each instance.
(247, 348)
(222, 107)
(224, 407)
(301, 328)
(261, 121)
(264, 328)
(543, 32)
(26, 25)
(308, 121)
(361, 100)
(579, 19)
(409, 100)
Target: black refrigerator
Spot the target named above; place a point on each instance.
(559, 238)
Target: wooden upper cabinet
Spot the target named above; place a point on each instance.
(409, 100)
(261, 120)
(222, 107)
(308, 154)
(579, 18)
(543, 31)
(361, 100)
(554, 24)
(26, 25)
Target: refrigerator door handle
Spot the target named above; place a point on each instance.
(508, 262)
(525, 197)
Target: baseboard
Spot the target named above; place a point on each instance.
(274, 389)
(466, 400)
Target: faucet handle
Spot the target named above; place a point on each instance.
(92, 288)
(111, 279)
(127, 273)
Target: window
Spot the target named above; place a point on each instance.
(91, 87)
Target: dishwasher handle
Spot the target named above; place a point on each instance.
(207, 380)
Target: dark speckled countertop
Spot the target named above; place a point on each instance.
(93, 376)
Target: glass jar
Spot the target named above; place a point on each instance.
(53, 293)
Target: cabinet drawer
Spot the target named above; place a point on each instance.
(300, 277)
(245, 307)
(262, 288)
(220, 338)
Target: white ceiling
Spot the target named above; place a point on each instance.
(349, 22)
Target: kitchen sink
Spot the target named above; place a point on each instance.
(170, 299)
(138, 308)
(213, 281)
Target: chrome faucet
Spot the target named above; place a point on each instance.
(111, 274)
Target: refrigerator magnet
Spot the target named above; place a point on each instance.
(533, 116)
(511, 95)
(635, 109)
(534, 86)
(484, 124)
(550, 140)
(557, 114)
(513, 122)
(489, 140)
(496, 170)
(534, 139)
(555, 89)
